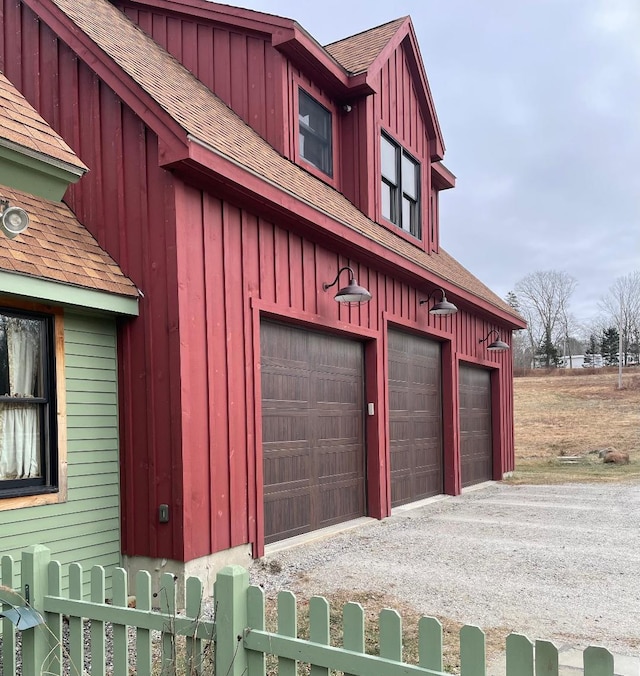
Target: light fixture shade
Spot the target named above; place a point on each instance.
(498, 346)
(444, 307)
(14, 221)
(353, 293)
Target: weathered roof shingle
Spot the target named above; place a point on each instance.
(20, 124)
(357, 52)
(56, 247)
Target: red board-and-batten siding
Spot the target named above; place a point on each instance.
(189, 384)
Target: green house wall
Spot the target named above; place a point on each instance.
(86, 528)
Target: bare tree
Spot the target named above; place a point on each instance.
(621, 307)
(544, 298)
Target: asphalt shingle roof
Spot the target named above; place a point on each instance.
(21, 124)
(357, 52)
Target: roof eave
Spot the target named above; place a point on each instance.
(52, 291)
(304, 52)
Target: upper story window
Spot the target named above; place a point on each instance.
(400, 187)
(315, 133)
(28, 448)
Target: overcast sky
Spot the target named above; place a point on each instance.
(539, 105)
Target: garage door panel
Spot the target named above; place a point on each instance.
(285, 425)
(280, 384)
(288, 512)
(415, 417)
(284, 467)
(476, 442)
(313, 430)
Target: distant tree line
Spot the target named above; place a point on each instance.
(553, 336)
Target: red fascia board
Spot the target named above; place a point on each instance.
(441, 177)
(208, 169)
(145, 106)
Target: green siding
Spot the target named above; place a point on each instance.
(86, 528)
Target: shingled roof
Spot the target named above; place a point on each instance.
(21, 125)
(205, 117)
(357, 52)
(56, 247)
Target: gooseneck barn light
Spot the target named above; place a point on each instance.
(444, 307)
(497, 345)
(353, 292)
(13, 220)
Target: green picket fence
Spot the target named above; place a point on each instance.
(238, 632)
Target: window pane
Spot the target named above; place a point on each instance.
(387, 201)
(19, 441)
(409, 177)
(315, 133)
(315, 151)
(406, 214)
(21, 377)
(388, 160)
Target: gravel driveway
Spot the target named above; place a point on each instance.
(552, 562)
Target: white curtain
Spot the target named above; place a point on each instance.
(19, 428)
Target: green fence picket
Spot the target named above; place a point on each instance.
(167, 602)
(519, 655)
(353, 628)
(287, 626)
(98, 643)
(53, 666)
(390, 626)
(597, 662)
(430, 643)
(256, 662)
(547, 663)
(473, 660)
(319, 631)
(76, 624)
(143, 636)
(120, 632)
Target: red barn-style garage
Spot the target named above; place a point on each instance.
(237, 170)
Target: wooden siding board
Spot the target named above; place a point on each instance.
(234, 319)
(217, 375)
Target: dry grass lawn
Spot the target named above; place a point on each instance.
(559, 416)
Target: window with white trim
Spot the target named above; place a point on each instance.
(315, 133)
(28, 434)
(400, 187)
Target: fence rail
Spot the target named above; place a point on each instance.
(144, 639)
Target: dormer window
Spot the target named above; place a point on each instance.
(400, 187)
(315, 133)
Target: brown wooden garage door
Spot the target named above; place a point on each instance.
(476, 446)
(415, 417)
(312, 430)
